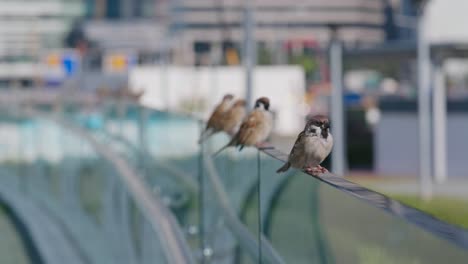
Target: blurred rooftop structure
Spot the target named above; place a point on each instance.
(206, 32)
(187, 30)
(29, 27)
(217, 26)
(207, 20)
(124, 9)
(195, 30)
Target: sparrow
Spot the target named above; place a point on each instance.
(233, 118)
(214, 124)
(255, 129)
(312, 146)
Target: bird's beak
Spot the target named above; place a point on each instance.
(325, 133)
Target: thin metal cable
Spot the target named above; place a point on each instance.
(201, 200)
(259, 210)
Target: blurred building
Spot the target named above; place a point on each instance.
(122, 9)
(216, 27)
(205, 31)
(396, 150)
(28, 29)
(188, 32)
(127, 27)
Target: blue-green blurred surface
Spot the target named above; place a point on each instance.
(306, 221)
(11, 247)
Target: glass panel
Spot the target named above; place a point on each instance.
(231, 182)
(220, 202)
(65, 192)
(309, 221)
(212, 198)
(205, 194)
(12, 249)
(155, 144)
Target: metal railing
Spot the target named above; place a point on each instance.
(160, 196)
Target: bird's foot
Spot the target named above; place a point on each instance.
(314, 170)
(263, 145)
(322, 169)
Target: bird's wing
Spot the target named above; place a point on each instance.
(208, 132)
(228, 117)
(212, 126)
(213, 121)
(298, 145)
(232, 119)
(248, 127)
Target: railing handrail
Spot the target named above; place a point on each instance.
(449, 232)
(454, 234)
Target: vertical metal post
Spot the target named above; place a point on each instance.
(250, 56)
(259, 209)
(127, 8)
(216, 55)
(201, 199)
(100, 9)
(337, 109)
(439, 123)
(164, 60)
(143, 149)
(424, 108)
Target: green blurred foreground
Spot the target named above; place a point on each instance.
(11, 247)
(453, 210)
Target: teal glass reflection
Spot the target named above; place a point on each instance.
(70, 198)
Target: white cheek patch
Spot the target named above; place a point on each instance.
(314, 130)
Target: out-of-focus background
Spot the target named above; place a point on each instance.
(185, 55)
(391, 74)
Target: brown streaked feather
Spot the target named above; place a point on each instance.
(214, 124)
(232, 119)
(317, 119)
(298, 143)
(248, 128)
(294, 151)
(215, 119)
(321, 118)
(244, 134)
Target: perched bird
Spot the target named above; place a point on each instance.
(312, 146)
(233, 117)
(255, 129)
(215, 121)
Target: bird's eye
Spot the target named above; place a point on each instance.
(313, 130)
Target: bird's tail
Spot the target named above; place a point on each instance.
(219, 151)
(231, 143)
(206, 134)
(284, 168)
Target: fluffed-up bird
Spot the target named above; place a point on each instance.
(215, 121)
(255, 129)
(233, 117)
(312, 147)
